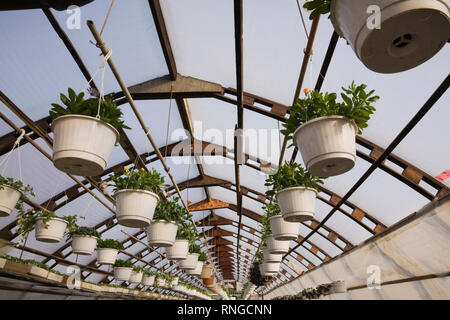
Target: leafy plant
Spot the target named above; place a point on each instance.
(26, 190)
(356, 105)
(148, 272)
(202, 257)
(317, 7)
(266, 230)
(170, 210)
(290, 174)
(83, 231)
(260, 257)
(255, 276)
(195, 248)
(135, 179)
(32, 262)
(77, 104)
(123, 264)
(109, 243)
(138, 269)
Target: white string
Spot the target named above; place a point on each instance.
(8, 156)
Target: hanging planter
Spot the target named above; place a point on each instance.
(9, 197)
(84, 240)
(190, 262)
(197, 270)
(210, 281)
(271, 257)
(107, 250)
(268, 269)
(148, 279)
(136, 275)
(276, 246)
(122, 270)
(50, 231)
(162, 233)
(297, 204)
(207, 271)
(161, 282)
(85, 133)
(136, 196)
(178, 251)
(175, 281)
(338, 287)
(327, 145)
(324, 129)
(283, 230)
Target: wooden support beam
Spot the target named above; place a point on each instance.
(208, 205)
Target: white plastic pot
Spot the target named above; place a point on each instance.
(136, 277)
(190, 262)
(269, 269)
(83, 244)
(161, 282)
(54, 231)
(410, 31)
(162, 233)
(297, 204)
(327, 145)
(178, 251)
(175, 281)
(106, 255)
(8, 200)
(338, 287)
(207, 271)
(271, 257)
(122, 273)
(197, 270)
(148, 280)
(135, 208)
(82, 145)
(283, 230)
(276, 246)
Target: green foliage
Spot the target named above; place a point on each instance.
(150, 180)
(266, 230)
(290, 174)
(260, 257)
(123, 264)
(170, 210)
(317, 7)
(187, 232)
(203, 257)
(148, 272)
(83, 231)
(356, 105)
(194, 248)
(30, 261)
(255, 276)
(109, 243)
(26, 190)
(77, 104)
(138, 269)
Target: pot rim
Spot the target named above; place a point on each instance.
(296, 188)
(181, 240)
(54, 218)
(82, 236)
(162, 221)
(15, 189)
(106, 249)
(276, 216)
(307, 123)
(196, 254)
(139, 191)
(123, 268)
(87, 118)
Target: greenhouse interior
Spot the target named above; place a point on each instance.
(224, 150)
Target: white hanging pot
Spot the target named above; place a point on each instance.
(271, 257)
(122, 273)
(268, 269)
(197, 270)
(338, 287)
(410, 31)
(190, 262)
(283, 230)
(162, 233)
(297, 204)
(277, 246)
(82, 144)
(148, 280)
(175, 281)
(54, 231)
(8, 200)
(161, 282)
(84, 245)
(327, 145)
(136, 277)
(106, 255)
(207, 271)
(135, 208)
(178, 251)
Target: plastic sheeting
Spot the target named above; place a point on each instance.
(396, 255)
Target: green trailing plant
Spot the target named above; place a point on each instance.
(26, 221)
(109, 243)
(195, 248)
(148, 272)
(25, 190)
(356, 105)
(244, 288)
(123, 264)
(186, 232)
(77, 104)
(290, 174)
(138, 269)
(255, 276)
(317, 7)
(271, 209)
(260, 257)
(203, 257)
(83, 231)
(135, 179)
(170, 210)
(31, 262)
